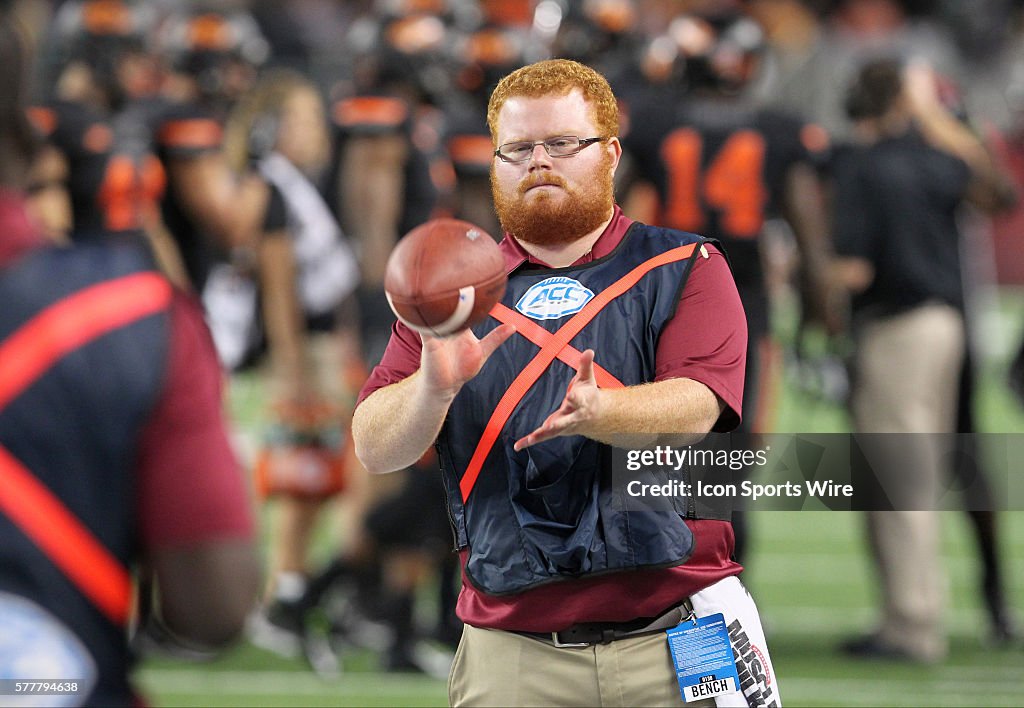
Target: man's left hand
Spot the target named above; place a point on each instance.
(580, 406)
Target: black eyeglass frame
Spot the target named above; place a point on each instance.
(584, 142)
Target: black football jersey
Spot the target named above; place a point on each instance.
(113, 177)
(720, 169)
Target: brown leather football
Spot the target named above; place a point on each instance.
(444, 276)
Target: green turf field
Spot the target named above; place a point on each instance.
(809, 573)
(813, 585)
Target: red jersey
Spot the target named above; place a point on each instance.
(705, 341)
(185, 453)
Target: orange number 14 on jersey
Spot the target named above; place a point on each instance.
(732, 184)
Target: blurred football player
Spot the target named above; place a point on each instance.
(213, 56)
(99, 152)
(304, 270)
(721, 165)
(114, 456)
(382, 182)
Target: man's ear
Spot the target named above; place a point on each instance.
(616, 151)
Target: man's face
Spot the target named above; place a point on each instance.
(553, 200)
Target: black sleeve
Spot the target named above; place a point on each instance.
(185, 130)
(642, 143)
(852, 210)
(786, 141)
(275, 219)
(79, 132)
(420, 192)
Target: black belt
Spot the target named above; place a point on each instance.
(588, 633)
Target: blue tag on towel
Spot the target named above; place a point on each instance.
(703, 658)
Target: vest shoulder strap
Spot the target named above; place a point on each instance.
(25, 356)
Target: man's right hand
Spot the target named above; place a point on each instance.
(395, 425)
(446, 363)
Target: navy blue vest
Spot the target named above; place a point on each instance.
(547, 513)
(77, 429)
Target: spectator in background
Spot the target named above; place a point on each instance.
(1006, 231)
(896, 200)
(389, 175)
(305, 272)
(113, 449)
(796, 64)
(99, 131)
(137, 150)
(488, 53)
(817, 44)
(211, 57)
(381, 183)
(1008, 228)
(970, 471)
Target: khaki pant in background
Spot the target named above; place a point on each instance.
(907, 376)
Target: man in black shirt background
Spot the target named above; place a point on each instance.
(897, 194)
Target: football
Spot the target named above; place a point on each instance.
(444, 276)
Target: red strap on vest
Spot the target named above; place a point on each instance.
(25, 356)
(553, 345)
(64, 539)
(68, 324)
(540, 336)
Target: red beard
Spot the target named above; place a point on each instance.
(555, 220)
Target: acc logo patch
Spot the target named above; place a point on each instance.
(554, 297)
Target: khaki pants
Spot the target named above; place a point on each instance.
(908, 368)
(496, 668)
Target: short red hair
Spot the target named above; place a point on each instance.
(559, 77)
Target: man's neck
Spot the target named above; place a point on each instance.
(565, 254)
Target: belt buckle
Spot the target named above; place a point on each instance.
(561, 645)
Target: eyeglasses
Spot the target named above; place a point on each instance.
(562, 146)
